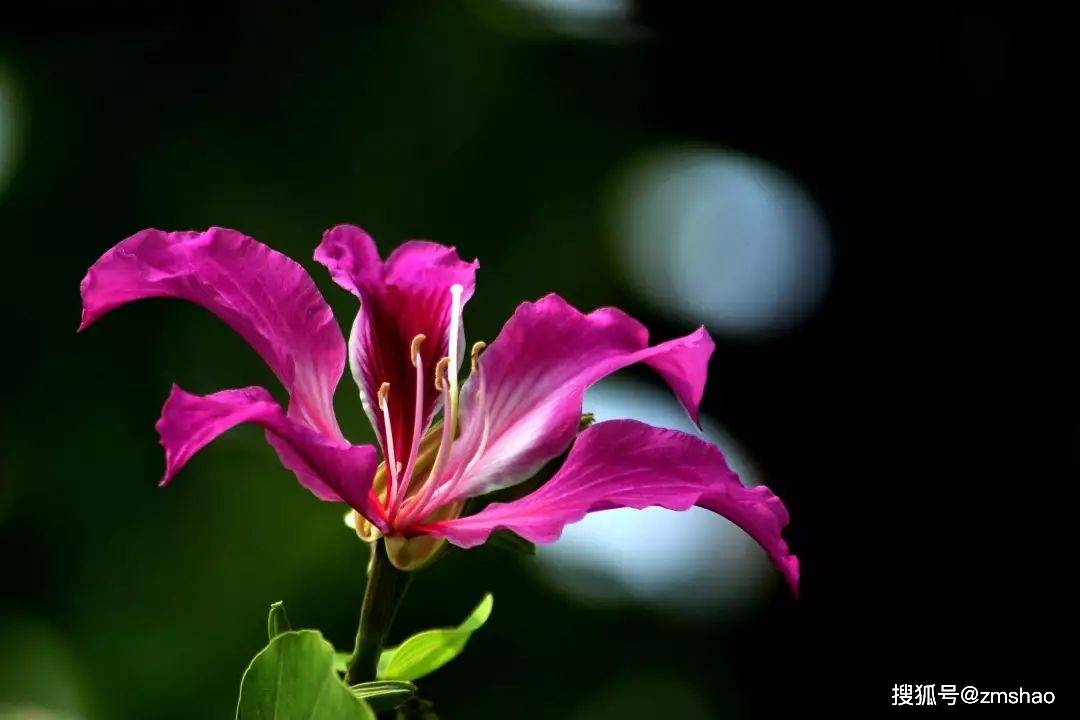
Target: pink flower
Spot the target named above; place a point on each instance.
(519, 408)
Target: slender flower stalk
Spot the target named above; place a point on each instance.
(442, 441)
(386, 586)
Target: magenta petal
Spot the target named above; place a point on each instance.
(350, 255)
(625, 463)
(405, 296)
(263, 295)
(523, 406)
(332, 470)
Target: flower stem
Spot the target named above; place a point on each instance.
(385, 587)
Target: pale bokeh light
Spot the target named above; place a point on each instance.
(722, 238)
(693, 561)
(581, 10)
(595, 19)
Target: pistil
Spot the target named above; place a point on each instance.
(455, 338)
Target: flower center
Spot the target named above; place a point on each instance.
(402, 509)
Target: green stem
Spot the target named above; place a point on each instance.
(385, 587)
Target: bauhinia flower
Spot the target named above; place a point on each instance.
(519, 408)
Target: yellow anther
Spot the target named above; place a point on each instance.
(440, 374)
(384, 392)
(414, 349)
(477, 348)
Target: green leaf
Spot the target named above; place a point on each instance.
(341, 661)
(278, 621)
(293, 678)
(384, 695)
(428, 651)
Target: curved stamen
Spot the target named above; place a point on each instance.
(391, 458)
(415, 509)
(477, 377)
(414, 448)
(440, 374)
(477, 348)
(414, 349)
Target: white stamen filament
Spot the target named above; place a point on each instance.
(414, 448)
(415, 509)
(391, 457)
(448, 487)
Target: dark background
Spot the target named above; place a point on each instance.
(919, 424)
